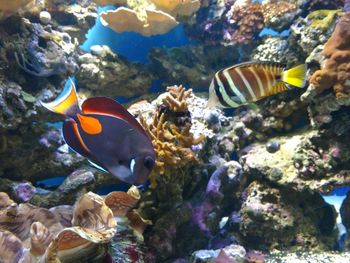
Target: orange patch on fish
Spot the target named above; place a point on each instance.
(90, 125)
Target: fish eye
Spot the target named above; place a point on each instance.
(148, 162)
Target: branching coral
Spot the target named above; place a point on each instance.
(336, 71)
(172, 141)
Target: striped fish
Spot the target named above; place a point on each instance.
(251, 81)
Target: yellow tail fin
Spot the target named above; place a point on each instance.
(66, 103)
(295, 76)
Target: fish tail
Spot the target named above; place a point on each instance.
(66, 103)
(295, 76)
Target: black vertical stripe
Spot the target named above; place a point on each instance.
(218, 93)
(227, 86)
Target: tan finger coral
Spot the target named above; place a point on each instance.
(172, 141)
(124, 19)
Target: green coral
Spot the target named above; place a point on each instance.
(324, 18)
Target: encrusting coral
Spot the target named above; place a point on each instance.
(336, 71)
(279, 15)
(248, 22)
(323, 18)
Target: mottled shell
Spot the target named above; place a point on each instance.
(121, 203)
(93, 224)
(11, 248)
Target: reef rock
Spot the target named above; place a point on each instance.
(275, 218)
(109, 74)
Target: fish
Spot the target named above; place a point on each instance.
(104, 132)
(251, 81)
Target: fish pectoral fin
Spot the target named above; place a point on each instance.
(97, 166)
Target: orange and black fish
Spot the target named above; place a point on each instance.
(103, 131)
(251, 81)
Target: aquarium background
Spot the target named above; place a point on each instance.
(265, 180)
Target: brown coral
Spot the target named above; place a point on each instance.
(336, 71)
(274, 11)
(249, 21)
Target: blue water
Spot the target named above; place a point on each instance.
(51, 182)
(271, 32)
(130, 44)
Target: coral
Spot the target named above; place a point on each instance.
(247, 23)
(279, 15)
(123, 19)
(99, 72)
(335, 72)
(172, 143)
(324, 18)
(149, 17)
(307, 37)
(271, 49)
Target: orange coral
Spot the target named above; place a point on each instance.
(336, 71)
(172, 143)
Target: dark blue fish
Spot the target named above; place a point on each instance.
(103, 131)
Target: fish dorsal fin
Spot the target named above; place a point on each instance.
(258, 63)
(73, 139)
(107, 106)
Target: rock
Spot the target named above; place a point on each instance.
(204, 256)
(111, 75)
